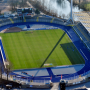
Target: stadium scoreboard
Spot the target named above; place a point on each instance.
(24, 11)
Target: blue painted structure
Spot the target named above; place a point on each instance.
(76, 41)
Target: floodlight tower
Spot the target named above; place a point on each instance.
(71, 14)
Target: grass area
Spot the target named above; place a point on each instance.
(87, 6)
(30, 49)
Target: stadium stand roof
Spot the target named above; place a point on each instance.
(84, 18)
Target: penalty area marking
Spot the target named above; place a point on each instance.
(83, 54)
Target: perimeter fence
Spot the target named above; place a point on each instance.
(74, 80)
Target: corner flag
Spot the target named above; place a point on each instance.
(61, 76)
(51, 78)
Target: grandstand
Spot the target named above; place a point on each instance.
(36, 26)
(83, 27)
(84, 18)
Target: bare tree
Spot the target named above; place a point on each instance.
(0, 11)
(43, 4)
(8, 71)
(22, 4)
(49, 5)
(13, 4)
(1, 70)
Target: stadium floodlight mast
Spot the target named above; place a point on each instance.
(71, 14)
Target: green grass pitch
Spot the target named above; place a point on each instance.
(28, 49)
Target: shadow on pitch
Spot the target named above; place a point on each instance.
(72, 53)
(53, 49)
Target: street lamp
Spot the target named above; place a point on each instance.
(70, 20)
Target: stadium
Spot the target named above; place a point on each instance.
(44, 49)
(52, 25)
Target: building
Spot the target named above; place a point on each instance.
(24, 11)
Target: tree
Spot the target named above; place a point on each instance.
(7, 71)
(43, 4)
(49, 5)
(22, 3)
(0, 11)
(37, 11)
(7, 67)
(1, 71)
(13, 4)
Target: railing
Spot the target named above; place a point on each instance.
(25, 80)
(32, 19)
(85, 77)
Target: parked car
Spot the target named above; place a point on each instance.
(12, 15)
(6, 16)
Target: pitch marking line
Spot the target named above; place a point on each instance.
(83, 54)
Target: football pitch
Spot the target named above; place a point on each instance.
(34, 49)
